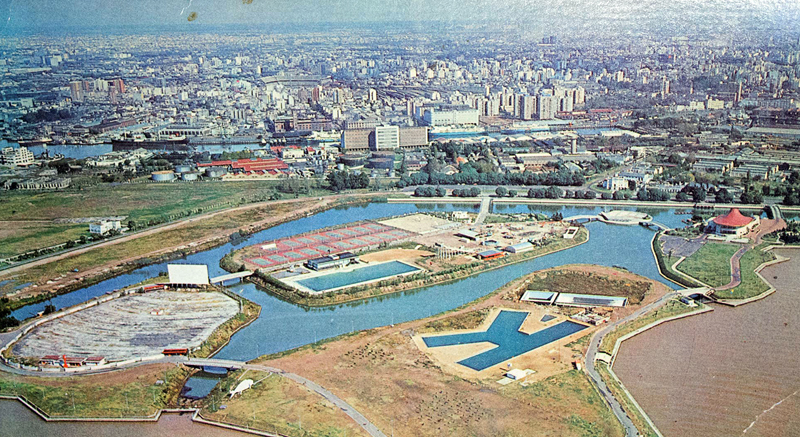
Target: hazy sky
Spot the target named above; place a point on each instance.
(572, 15)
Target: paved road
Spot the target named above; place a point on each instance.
(160, 228)
(594, 344)
(335, 400)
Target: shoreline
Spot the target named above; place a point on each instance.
(119, 269)
(585, 202)
(154, 418)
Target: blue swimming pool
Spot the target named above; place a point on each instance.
(504, 332)
(364, 274)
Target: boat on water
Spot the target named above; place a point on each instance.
(150, 141)
(34, 142)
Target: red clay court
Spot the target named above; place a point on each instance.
(309, 246)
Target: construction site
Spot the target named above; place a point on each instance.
(430, 244)
(132, 326)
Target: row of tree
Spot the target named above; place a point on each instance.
(344, 180)
(470, 176)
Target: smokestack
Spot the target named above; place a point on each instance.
(574, 146)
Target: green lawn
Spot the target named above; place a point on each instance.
(751, 284)
(143, 201)
(100, 396)
(25, 237)
(711, 264)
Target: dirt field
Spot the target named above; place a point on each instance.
(278, 405)
(548, 360)
(420, 223)
(585, 281)
(133, 326)
(385, 375)
(393, 254)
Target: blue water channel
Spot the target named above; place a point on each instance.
(283, 326)
(504, 332)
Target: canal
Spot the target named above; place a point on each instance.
(283, 326)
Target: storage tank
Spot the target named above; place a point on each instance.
(381, 163)
(163, 176)
(216, 172)
(353, 160)
(190, 176)
(183, 168)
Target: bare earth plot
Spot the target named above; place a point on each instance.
(133, 326)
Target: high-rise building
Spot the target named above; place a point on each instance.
(528, 107)
(547, 105)
(117, 84)
(76, 90)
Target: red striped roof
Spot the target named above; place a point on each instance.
(733, 219)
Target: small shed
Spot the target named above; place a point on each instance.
(516, 374)
(525, 246)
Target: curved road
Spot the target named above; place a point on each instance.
(591, 353)
(348, 409)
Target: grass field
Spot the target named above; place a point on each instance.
(193, 231)
(21, 236)
(278, 405)
(126, 393)
(751, 284)
(710, 264)
(143, 203)
(137, 201)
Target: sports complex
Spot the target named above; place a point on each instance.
(276, 253)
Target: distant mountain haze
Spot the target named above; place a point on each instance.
(555, 17)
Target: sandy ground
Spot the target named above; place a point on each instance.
(546, 361)
(395, 254)
(383, 373)
(133, 326)
(420, 223)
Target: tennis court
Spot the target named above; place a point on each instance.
(308, 246)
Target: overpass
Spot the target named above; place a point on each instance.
(658, 225)
(486, 202)
(223, 278)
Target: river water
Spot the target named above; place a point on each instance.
(284, 326)
(716, 373)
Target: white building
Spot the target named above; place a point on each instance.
(616, 184)
(19, 157)
(445, 116)
(387, 137)
(105, 226)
